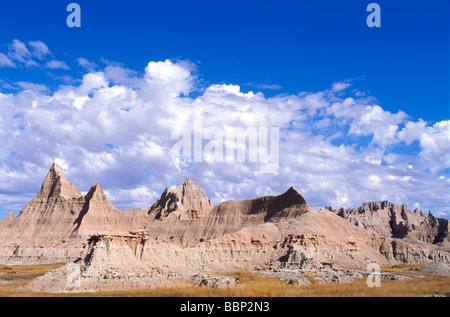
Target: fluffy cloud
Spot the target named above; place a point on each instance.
(54, 64)
(19, 52)
(435, 145)
(340, 86)
(40, 49)
(117, 128)
(83, 62)
(30, 54)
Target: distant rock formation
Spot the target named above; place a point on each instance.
(389, 220)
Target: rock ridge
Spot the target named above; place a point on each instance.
(187, 201)
(184, 238)
(390, 220)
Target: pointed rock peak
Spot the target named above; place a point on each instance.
(55, 170)
(10, 216)
(98, 187)
(290, 199)
(188, 198)
(188, 182)
(292, 190)
(188, 186)
(294, 194)
(56, 185)
(96, 192)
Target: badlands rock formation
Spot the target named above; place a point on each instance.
(56, 223)
(182, 237)
(389, 220)
(187, 201)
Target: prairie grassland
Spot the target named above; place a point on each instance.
(12, 278)
(248, 285)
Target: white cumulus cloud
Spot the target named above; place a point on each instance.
(116, 128)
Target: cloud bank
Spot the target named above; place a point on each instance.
(337, 146)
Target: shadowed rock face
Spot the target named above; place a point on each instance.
(56, 223)
(55, 186)
(49, 216)
(433, 230)
(187, 201)
(389, 220)
(282, 249)
(232, 215)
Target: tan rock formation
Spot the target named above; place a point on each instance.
(182, 237)
(296, 246)
(55, 186)
(49, 217)
(389, 220)
(232, 215)
(56, 223)
(187, 201)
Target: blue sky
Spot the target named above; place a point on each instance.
(282, 49)
(298, 45)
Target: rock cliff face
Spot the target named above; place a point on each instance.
(55, 186)
(182, 237)
(187, 201)
(286, 249)
(432, 230)
(232, 215)
(389, 220)
(47, 219)
(56, 223)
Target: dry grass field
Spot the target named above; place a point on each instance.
(12, 278)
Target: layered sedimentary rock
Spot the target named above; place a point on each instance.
(389, 220)
(431, 229)
(56, 223)
(187, 201)
(285, 249)
(49, 216)
(182, 237)
(233, 215)
(214, 222)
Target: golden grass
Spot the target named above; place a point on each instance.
(311, 277)
(249, 285)
(12, 278)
